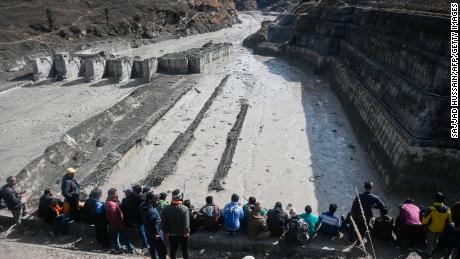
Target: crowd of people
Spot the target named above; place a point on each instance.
(159, 222)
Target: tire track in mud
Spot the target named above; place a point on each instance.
(227, 156)
(167, 164)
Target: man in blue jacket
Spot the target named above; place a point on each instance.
(152, 222)
(96, 216)
(369, 201)
(233, 214)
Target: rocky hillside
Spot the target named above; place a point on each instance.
(33, 26)
(388, 62)
(266, 5)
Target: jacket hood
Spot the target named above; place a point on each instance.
(441, 207)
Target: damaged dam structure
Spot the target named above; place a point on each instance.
(65, 66)
(390, 71)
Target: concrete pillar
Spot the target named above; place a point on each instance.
(122, 68)
(66, 66)
(95, 67)
(42, 67)
(149, 68)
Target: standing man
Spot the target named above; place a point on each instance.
(152, 222)
(115, 219)
(96, 216)
(71, 191)
(12, 199)
(176, 224)
(435, 220)
(369, 201)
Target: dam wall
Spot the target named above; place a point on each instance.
(391, 72)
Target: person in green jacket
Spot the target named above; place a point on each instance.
(162, 203)
(311, 219)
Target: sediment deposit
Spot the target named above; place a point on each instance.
(391, 72)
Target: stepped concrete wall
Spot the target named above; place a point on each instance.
(67, 67)
(43, 67)
(391, 73)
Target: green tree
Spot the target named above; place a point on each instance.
(51, 19)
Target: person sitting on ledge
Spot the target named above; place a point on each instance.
(382, 227)
(296, 230)
(211, 215)
(330, 222)
(251, 201)
(57, 217)
(233, 214)
(277, 220)
(256, 227)
(44, 202)
(408, 225)
(311, 219)
(195, 219)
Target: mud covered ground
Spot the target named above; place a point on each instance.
(294, 145)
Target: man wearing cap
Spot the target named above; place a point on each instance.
(71, 191)
(13, 199)
(152, 222)
(435, 220)
(176, 224)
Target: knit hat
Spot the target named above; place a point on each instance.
(177, 194)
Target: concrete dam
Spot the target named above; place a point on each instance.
(391, 72)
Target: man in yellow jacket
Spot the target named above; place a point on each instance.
(435, 220)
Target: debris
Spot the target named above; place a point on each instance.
(314, 177)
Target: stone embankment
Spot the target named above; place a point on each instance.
(94, 66)
(390, 69)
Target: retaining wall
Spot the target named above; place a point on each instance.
(390, 71)
(42, 67)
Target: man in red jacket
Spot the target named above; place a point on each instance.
(115, 219)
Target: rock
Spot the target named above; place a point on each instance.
(202, 251)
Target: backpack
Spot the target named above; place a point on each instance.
(230, 216)
(296, 231)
